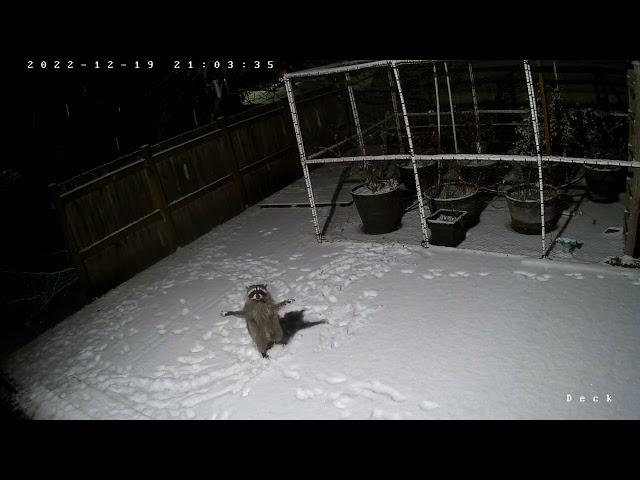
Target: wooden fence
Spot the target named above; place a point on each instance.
(126, 215)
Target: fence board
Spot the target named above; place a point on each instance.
(123, 216)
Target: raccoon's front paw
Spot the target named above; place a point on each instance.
(224, 313)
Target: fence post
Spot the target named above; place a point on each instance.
(229, 154)
(74, 251)
(158, 197)
(632, 203)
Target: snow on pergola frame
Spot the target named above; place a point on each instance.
(394, 75)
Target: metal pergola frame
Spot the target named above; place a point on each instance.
(394, 77)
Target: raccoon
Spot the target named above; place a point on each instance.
(261, 314)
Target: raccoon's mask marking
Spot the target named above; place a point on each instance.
(257, 292)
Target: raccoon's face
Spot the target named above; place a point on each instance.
(257, 293)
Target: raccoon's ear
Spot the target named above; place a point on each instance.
(248, 287)
(263, 285)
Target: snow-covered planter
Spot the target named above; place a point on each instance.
(447, 227)
(524, 207)
(379, 205)
(604, 182)
(456, 196)
(427, 172)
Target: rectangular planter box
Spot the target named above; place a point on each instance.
(447, 227)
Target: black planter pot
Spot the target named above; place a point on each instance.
(555, 174)
(483, 173)
(379, 212)
(447, 227)
(427, 172)
(525, 213)
(457, 196)
(605, 183)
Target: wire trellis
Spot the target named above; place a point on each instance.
(370, 92)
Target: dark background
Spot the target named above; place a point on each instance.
(68, 121)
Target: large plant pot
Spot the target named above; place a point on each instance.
(380, 212)
(447, 227)
(483, 173)
(605, 183)
(456, 196)
(524, 207)
(556, 174)
(427, 173)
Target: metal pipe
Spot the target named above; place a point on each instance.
(305, 168)
(536, 133)
(423, 221)
(482, 157)
(314, 72)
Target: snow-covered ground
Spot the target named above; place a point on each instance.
(412, 333)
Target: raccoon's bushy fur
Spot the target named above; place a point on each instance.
(261, 314)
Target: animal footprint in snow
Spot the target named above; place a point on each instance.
(525, 274)
(304, 394)
(291, 374)
(577, 276)
(379, 414)
(427, 405)
(370, 293)
(462, 274)
(542, 278)
(364, 388)
(341, 402)
(427, 276)
(333, 380)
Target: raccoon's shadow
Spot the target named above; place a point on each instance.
(293, 322)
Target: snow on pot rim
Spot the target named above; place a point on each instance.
(470, 191)
(549, 192)
(363, 190)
